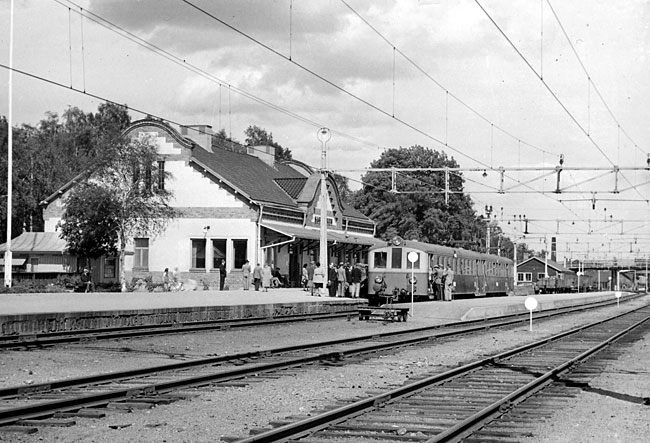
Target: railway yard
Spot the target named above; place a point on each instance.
(432, 378)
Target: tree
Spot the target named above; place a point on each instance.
(344, 188)
(50, 154)
(256, 136)
(119, 201)
(416, 207)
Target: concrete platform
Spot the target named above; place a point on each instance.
(478, 308)
(37, 313)
(54, 312)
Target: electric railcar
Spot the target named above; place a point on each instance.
(475, 274)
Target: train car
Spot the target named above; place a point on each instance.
(567, 283)
(390, 271)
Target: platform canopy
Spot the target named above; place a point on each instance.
(299, 232)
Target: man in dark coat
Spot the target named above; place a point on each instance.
(222, 274)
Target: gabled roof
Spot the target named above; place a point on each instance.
(551, 264)
(281, 184)
(42, 242)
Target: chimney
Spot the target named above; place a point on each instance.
(200, 134)
(263, 152)
(553, 248)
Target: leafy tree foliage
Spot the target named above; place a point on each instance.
(344, 188)
(48, 155)
(89, 224)
(416, 208)
(257, 136)
(118, 201)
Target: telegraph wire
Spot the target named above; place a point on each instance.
(591, 82)
(550, 90)
(184, 64)
(346, 92)
(437, 83)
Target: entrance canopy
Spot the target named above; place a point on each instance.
(299, 232)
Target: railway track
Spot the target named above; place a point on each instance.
(89, 396)
(466, 403)
(91, 335)
(26, 341)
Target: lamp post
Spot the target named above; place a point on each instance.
(488, 214)
(324, 135)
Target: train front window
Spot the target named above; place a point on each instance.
(380, 259)
(396, 258)
(416, 263)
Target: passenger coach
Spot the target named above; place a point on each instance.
(475, 274)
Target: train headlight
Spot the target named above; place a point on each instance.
(379, 279)
(413, 280)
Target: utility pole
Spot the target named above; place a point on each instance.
(8, 254)
(324, 135)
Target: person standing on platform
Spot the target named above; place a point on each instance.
(319, 279)
(257, 276)
(356, 276)
(341, 280)
(222, 274)
(438, 289)
(266, 277)
(449, 282)
(332, 280)
(304, 279)
(165, 278)
(348, 280)
(246, 274)
(310, 277)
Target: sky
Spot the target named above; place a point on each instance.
(492, 83)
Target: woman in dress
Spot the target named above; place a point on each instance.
(266, 277)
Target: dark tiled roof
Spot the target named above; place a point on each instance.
(291, 186)
(248, 174)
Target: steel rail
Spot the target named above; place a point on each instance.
(9, 416)
(339, 415)
(85, 335)
(464, 327)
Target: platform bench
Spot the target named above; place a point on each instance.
(384, 313)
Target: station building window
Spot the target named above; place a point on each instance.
(524, 276)
(141, 254)
(110, 267)
(198, 254)
(240, 248)
(218, 252)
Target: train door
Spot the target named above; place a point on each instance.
(482, 277)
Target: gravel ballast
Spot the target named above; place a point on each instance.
(233, 411)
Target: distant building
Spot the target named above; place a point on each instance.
(531, 271)
(236, 203)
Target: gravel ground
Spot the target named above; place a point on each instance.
(234, 411)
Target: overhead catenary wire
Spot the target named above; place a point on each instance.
(589, 77)
(550, 90)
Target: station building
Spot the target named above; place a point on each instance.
(235, 202)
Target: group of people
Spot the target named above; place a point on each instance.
(265, 277)
(442, 282)
(340, 281)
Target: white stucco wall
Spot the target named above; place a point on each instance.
(174, 248)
